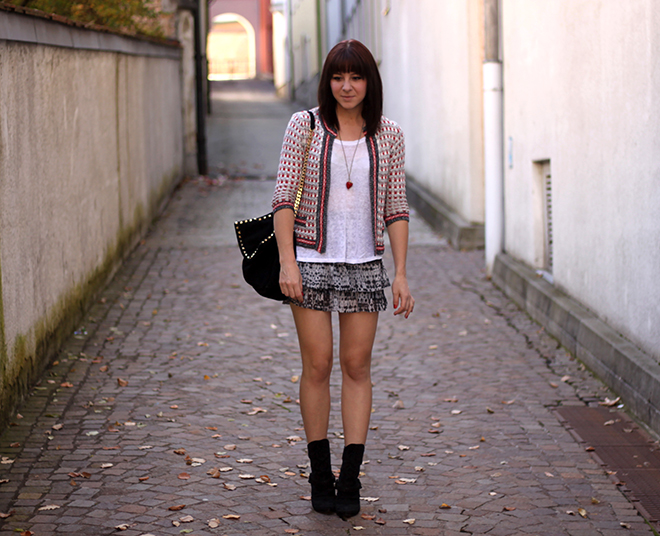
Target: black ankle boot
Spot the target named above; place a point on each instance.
(321, 477)
(347, 503)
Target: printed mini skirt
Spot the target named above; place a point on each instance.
(344, 288)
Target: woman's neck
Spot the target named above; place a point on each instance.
(350, 124)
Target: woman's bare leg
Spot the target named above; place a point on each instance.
(357, 332)
(315, 339)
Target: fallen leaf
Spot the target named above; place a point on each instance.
(292, 531)
(212, 428)
(508, 508)
(508, 402)
(143, 478)
(57, 426)
(445, 506)
(27, 533)
(358, 527)
(594, 500)
(554, 385)
(145, 447)
(582, 512)
(398, 405)
(368, 517)
(473, 448)
(406, 481)
(490, 410)
(625, 525)
(123, 526)
(294, 438)
(549, 475)
(427, 455)
(213, 523)
(294, 379)
(66, 384)
(419, 468)
(174, 406)
(263, 479)
(609, 403)
(570, 512)
(122, 382)
(50, 507)
(230, 447)
(4, 481)
(565, 378)
(403, 447)
(231, 516)
(410, 521)
(254, 411)
(370, 499)
(180, 452)
(184, 476)
(5, 516)
(187, 519)
(176, 507)
(456, 411)
(246, 476)
(589, 449)
(104, 368)
(106, 465)
(231, 487)
(380, 521)
(609, 423)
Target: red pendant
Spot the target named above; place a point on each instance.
(348, 185)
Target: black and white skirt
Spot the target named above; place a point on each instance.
(344, 288)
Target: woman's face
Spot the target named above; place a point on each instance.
(349, 89)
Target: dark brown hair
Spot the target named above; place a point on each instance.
(351, 56)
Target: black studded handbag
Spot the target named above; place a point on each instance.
(256, 240)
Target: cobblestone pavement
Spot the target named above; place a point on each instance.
(180, 388)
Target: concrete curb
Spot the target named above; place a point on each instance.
(631, 373)
(460, 233)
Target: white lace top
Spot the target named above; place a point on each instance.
(350, 229)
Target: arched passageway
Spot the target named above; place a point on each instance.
(231, 48)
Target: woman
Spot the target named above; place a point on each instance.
(330, 254)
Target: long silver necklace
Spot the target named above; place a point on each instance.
(349, 169)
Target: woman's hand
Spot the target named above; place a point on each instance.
(291, 281)
(403, 301)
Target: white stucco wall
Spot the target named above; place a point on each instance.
(581, 85)
(91, 143)
(431, 67)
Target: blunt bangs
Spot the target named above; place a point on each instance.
(351, 56)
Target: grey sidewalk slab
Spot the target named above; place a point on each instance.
(181, 354)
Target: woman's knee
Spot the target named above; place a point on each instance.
(317, 370)
(357, 368)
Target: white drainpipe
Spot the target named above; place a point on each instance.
(493, 134)
(493, 161)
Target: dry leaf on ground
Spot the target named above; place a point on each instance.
(410, 521)
(231, 516)
(213, 523)
(177, 507)
(184, 476)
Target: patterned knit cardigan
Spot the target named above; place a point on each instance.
(386, 174)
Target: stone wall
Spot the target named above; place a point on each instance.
(91, 146)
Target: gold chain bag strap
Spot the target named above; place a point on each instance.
(256, 240)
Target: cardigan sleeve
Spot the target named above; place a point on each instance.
(396, 204)
(291, 161)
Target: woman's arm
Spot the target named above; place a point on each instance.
(290, 279)
(402, 299)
